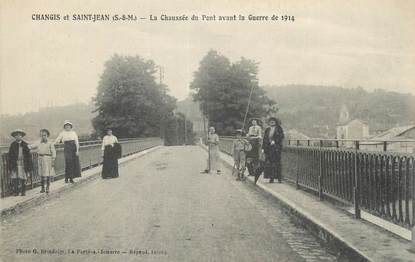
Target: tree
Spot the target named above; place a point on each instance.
(223, 89)
(129, 100)
(175, 130)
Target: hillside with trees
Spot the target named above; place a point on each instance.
(314, 110)
(51, 118)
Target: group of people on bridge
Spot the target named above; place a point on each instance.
(258, 151)
(20, 161)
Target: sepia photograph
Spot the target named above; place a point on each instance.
(217, 131)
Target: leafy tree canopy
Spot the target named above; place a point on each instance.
(223, 89)
(129, 100)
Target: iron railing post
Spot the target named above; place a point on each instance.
(356, 191)
(320, 174)
(413, 205)
(297, 186)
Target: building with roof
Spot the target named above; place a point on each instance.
(351, 128)
(293, 134)
(397, 139)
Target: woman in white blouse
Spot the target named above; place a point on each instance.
(111, 151)
(71, 151)
(254, 136)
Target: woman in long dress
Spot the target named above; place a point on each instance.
(111, 155)
(254, 136)
(272, 146)
(213, 152)
(71, 152)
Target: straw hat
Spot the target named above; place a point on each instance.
(18, 131)
(258, 120)
(277, 121)
(67, 123)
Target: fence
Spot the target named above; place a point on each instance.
(396, 145)
(381, 183)
(90, 155)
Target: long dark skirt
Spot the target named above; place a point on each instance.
(254, 153)
(252, 157)
(110, 165)
(272, 165)
(72, 166)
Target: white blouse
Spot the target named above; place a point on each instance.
(67, 136)
(255, 131)
(109, 140)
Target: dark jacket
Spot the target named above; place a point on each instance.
(277, 137)
(13, 154)
(118, 150)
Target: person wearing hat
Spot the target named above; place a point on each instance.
(213, 152)
(20, 161)
(46, 159)
(71, 151)
(272, 146)
(254, 136)
(240, 147)
(110, 149)
(255, 130)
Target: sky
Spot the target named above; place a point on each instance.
(341, 43)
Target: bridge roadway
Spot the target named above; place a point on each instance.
(160, 204)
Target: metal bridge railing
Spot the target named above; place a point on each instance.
(89, 156)
(381, 183)
(392, 145)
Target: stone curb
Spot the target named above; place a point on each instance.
(325, 234)
(40, 198)
(328, 236)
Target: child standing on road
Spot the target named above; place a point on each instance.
(46, 159)
(20, 161)
(240, 146)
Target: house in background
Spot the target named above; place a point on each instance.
(398, 139)
(353, 129)
(192, 112)
(350, 128)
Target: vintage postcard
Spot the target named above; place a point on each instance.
(223, 130)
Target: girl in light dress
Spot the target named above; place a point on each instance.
(46, 159)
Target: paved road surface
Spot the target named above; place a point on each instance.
(160, 204)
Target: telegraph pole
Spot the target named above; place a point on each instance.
(161, 74)
(163, 118)
(185, 130)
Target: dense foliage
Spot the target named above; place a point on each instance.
(129, 100)
(223, 89)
